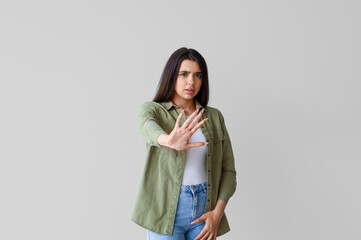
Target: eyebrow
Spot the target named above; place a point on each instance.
(188, 71)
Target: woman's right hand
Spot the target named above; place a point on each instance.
(178, 139)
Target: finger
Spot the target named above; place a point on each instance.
(194, 122)
(205, 237)
(215, 236)
(198, 220)
(195, 144)
(188, 121)
(177, 123)
(201, 234)
(195, 128)
(208, 237)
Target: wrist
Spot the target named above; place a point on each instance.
(219, 212)
(163, 140)
(219, 208)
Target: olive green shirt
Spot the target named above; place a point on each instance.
(157, 198)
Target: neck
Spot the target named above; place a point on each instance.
(189, 106)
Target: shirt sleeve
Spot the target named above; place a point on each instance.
(228, 182)
(148, 125)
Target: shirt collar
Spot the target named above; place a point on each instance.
(168, 105)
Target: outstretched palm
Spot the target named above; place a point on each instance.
(178, 139)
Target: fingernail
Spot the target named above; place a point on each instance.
(206, 143)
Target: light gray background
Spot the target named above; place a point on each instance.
(285, 74)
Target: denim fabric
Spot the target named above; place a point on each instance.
(191, 205)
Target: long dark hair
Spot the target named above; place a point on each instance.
(170, 73)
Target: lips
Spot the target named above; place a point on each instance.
(189, 91)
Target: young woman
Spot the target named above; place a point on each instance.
(189, 173)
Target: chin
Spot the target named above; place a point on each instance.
(188, 97)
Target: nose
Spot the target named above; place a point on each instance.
(190, 79)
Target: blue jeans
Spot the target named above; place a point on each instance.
(191, 205)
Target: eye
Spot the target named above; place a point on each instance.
(199, 75)
(183, 74)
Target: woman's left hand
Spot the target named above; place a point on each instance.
(210, 229)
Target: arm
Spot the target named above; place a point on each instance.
(228, 182)
(148, 125)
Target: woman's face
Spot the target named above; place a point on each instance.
(189, 81)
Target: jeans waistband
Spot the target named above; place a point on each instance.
(194, 188)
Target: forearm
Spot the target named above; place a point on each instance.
(148, 124)
(220, 206)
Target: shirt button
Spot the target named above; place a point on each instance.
(209, 185)
(209, 170)
(180, 167)
(175, 196)
(172, 211)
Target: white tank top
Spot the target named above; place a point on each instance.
(195, 169)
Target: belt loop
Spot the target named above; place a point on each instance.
(204, 185)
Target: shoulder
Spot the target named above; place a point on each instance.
(215, 113)
(153, 108)
(150, 105)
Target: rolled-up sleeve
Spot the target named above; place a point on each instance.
(148, 125)
(228, 182)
